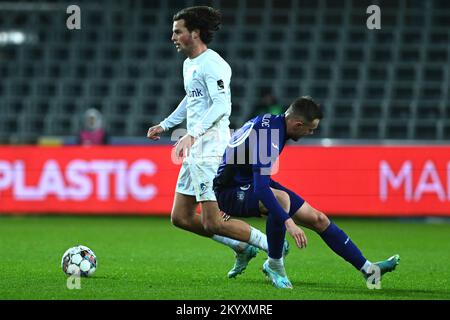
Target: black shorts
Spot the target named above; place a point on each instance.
(240, 201)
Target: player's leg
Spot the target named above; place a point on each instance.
(285, 203)
(184, 215)
(305, 215)
(273, 267)
(230, 228)
(283, 199)
(334, 237)
(240, 202)
(202, 173)
(214, 223)
(184, 207)
(340, 242)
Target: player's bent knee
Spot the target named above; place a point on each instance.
(212, 226)
(176, 221)
(179, 221)
(283, 199)
(321, 222)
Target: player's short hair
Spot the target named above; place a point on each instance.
(305, 107)
(203, 18)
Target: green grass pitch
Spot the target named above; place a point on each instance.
(148, 258)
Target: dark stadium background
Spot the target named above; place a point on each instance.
(386, 98)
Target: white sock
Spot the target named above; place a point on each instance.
(277, 265)
(236, 245)
(366, 266)
(258, 239)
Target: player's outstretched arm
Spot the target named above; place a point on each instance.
(176, 117)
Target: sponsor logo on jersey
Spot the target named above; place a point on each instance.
(195, 93)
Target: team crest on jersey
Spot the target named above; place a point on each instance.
(203, 188)
(240, 196)
(220, 85)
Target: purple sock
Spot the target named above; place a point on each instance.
(341, 244)
(276, 233)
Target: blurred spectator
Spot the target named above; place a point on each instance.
(93, 132)
(268, 104)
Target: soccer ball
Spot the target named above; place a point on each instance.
(79, 260)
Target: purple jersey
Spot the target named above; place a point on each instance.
(255, 146)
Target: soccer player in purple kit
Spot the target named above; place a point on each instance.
(244, 188)
(206, 107)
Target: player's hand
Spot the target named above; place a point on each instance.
(183, 146)
(154, 132)
(296, 233)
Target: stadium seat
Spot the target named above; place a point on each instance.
(341, 129)
(8, 126)
(398, 129)
(369, 129)
(425, 130)
(446, 131)
(400, 109)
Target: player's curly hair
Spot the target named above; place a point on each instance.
(306, 108)
(203, 18)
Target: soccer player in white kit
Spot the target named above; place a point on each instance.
(206, 108)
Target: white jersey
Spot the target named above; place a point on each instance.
(207, 104)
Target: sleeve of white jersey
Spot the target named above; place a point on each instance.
(217, 76)
(176, 117)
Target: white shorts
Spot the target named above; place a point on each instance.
(196, 177)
